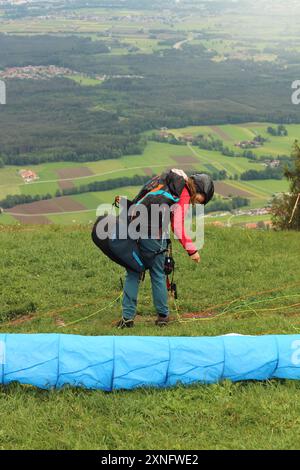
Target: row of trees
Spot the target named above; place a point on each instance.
(136, 180)
(111, 147)
(17, 199)
(266, 174)
(219, 204)
(219, 175)
(62, 51)
(279, 131)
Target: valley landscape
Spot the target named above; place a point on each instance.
(101, 95)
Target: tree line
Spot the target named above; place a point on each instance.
(218, 204)
(17, 199)
(279, 131)
(266, 174)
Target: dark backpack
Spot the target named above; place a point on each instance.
(163, 189)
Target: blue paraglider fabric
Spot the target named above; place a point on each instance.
(127, 362)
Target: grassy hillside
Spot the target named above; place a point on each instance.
(248, 282)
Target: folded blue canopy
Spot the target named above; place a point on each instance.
(126, 362)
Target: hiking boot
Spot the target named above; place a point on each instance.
(123, 323)
(162, 320)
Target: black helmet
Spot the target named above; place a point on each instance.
(204, 185)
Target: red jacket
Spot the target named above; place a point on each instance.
(177, 222)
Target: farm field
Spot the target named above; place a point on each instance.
(144, 30)
(230, 220)
(232, 134)
(130, 38)
(64, 278)
(156, 158)
(99, 86)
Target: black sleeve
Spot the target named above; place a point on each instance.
(176, 183)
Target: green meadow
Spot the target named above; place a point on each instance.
(55, 275)
(156, 158)
(84, 81)
(232, 134)
(54, 280)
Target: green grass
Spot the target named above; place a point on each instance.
(237, 219)
(41, 189)
(84, 81)
(144, 44)
(9, 181)
(233, 165)
(6, 219)
(241, 416)
(270, 187)
(73, 218)
(257, 191)
(58, 273)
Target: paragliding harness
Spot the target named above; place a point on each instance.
(163, 189)
(170, 271)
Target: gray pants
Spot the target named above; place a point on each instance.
(158, 280)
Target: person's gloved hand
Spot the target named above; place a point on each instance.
(196, 258)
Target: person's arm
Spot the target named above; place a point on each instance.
(177, 224)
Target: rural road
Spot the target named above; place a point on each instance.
(178, 45)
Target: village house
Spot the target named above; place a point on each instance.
(28, 176)
(188, 138)
(246, 144)
(272, 163)
(166, 134)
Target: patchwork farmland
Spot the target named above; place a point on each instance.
(157, 157)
